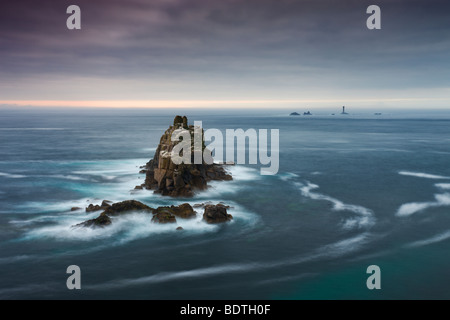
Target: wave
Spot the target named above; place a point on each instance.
(344, 246)
(422, 175)
(438, 238)
(239, 173)
(56, 176)
(286, 278)
(365, 216)
(8, 260)
(332, 251)
(408, 209)
(286, 176)
(67, 177)
(444, 186)
(17, 292)
(124, 228)
(12, 176)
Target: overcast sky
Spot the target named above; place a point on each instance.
(198, 52)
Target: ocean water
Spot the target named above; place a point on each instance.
(352, 191)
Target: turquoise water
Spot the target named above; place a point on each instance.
(352, 191)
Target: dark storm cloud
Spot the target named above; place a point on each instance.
(286, 42)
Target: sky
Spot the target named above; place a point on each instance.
(225, 54)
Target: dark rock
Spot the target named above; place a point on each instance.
(294, 114)
(127, 206)
(184, 211)
(138, 188)
(216, 213)
(101, 221)
(113, 210)
(180, 228)
(167, 178)
(75, 208)
(92, 208)
(106, 203)
(164, 217)
(201, 205)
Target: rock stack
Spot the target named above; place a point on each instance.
(165, 177)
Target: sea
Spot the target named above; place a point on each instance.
(352, 191)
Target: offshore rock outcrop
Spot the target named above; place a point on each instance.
(182, 180)
(159, 215)
(115, 209)
(216, 213)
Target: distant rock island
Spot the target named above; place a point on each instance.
(308, 113)
(169, 179)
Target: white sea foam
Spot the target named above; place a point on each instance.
(345, 246)
(239, 173)
(8, 260)
(332, 251)
(364, 218)
(125, 228)
(56, 207)
(286, 279)
(242, 173)
(66, 177)
(422, 175)
(438, 238)
(443, 186)
(286, 176)
(171, 276)
(11, 175)
(408, 209)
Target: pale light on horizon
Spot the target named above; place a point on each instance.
(160, 104)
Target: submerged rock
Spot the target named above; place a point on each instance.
(106, 203)
(204, 204)
(115, 209)
(216, 213)
(127, 206)
(165, 177)
(184, 210)
(92, 208)
(101, 221)
(160, 215)
(164, 217)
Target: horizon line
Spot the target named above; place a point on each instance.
(173, 104)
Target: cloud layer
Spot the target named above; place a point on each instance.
(228, 49)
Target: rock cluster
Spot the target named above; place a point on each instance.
(91, 208)
(114, 210)
(212, 213)
(165, 177)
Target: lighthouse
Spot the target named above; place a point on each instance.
(343, 110)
